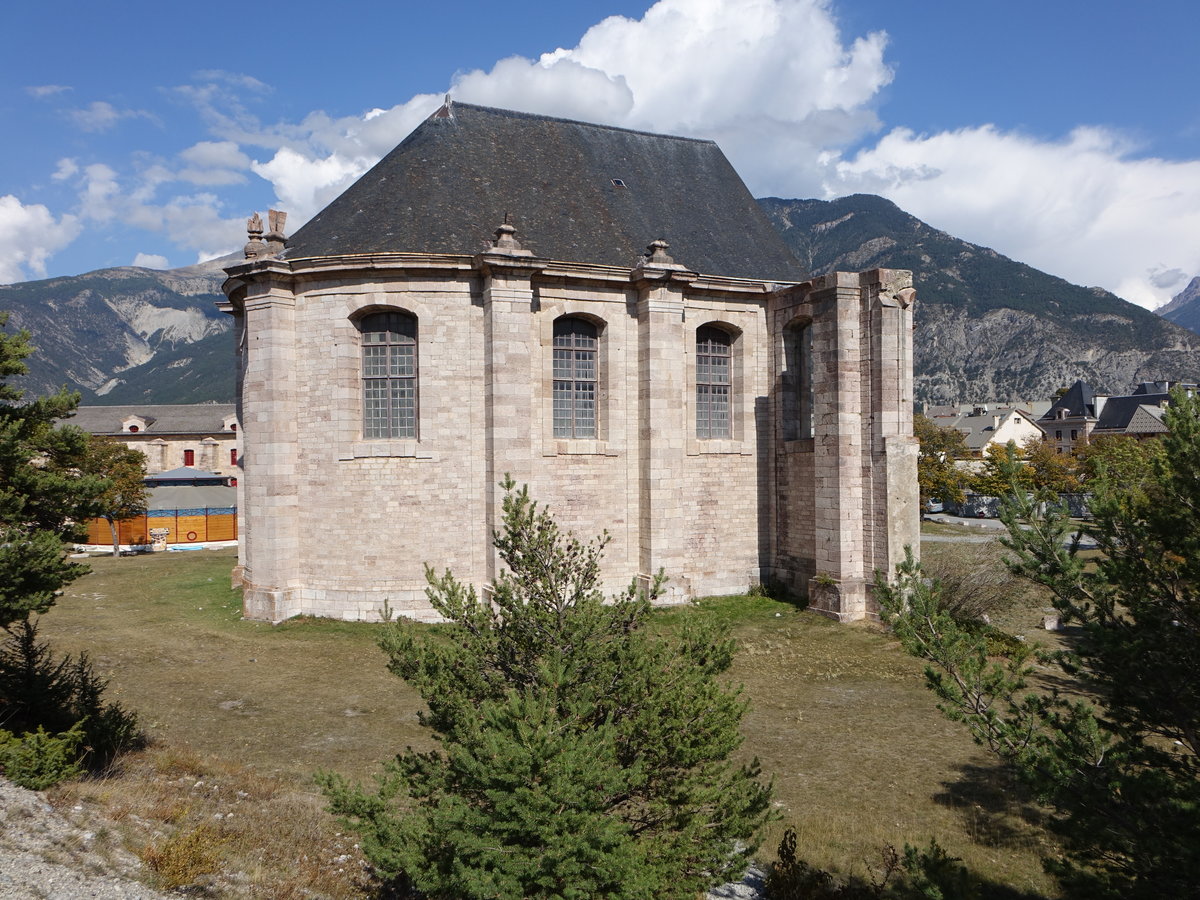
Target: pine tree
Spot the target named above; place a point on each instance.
(580, 755)
(44, 497)
(1122, 778)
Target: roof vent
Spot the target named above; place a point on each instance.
(617, 182)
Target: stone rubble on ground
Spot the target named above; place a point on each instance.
(45, 856)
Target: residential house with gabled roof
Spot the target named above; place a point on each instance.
(605, 315)
(996, 426)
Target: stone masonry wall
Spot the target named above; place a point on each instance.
(335, 525)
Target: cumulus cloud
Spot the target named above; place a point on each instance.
(324, 155)
(792, 101)
(194, 222)
(770, 80)
(29, 234)
(150, 261)
(101, 193)
(1085, 207)
(215, 155)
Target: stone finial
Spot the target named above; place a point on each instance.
(506, 241)
(275, 238)
(255, 247)
(656, 254)
(656, 257)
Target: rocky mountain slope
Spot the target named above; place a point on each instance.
(1184, 308)
(989, 328)
(93, 332)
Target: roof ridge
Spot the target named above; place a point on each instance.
(516, 113)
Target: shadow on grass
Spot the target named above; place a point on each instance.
(915, 873)
(998, 810)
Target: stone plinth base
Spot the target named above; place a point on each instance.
(845, 601)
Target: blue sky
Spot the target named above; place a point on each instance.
(1063, 133)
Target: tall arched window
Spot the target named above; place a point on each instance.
(575, 346)
(389, 375)
(714, 357)
(797, 382)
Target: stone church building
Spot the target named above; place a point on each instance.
(604, 314)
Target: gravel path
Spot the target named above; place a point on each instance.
(44, 856)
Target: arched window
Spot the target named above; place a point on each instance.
(389, 375)
(797, 382)
(714, 357)
(575, 346)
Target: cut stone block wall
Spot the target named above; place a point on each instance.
(336, 525)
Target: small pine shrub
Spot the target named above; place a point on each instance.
(39, 690)
(38, 760)
(185, 856)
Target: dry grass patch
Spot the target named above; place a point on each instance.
(224, 828)
(839, 718)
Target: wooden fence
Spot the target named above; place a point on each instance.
(184, 526)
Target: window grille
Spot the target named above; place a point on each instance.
(713, 368)
(389, 375)
(575, 346)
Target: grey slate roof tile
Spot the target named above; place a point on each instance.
(449, 184)
(181, 418)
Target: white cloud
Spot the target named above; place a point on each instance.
(215, 155)
(67, 168)
(303, 185)
(151, 261)
(790, 99)
(42, 91)
(101, 194)
(101, 116)
(28, 237)
(322, 155)
(1084, 208)
(770, 80)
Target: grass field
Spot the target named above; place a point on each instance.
(839, 719)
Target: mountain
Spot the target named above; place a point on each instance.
(1184, 308)
(128, 334)
(988, 327)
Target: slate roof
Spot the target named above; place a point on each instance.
(188, 474)
(210, 496)
(1079, 401)
(979, 430)
(449, 184)
(182, 418)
